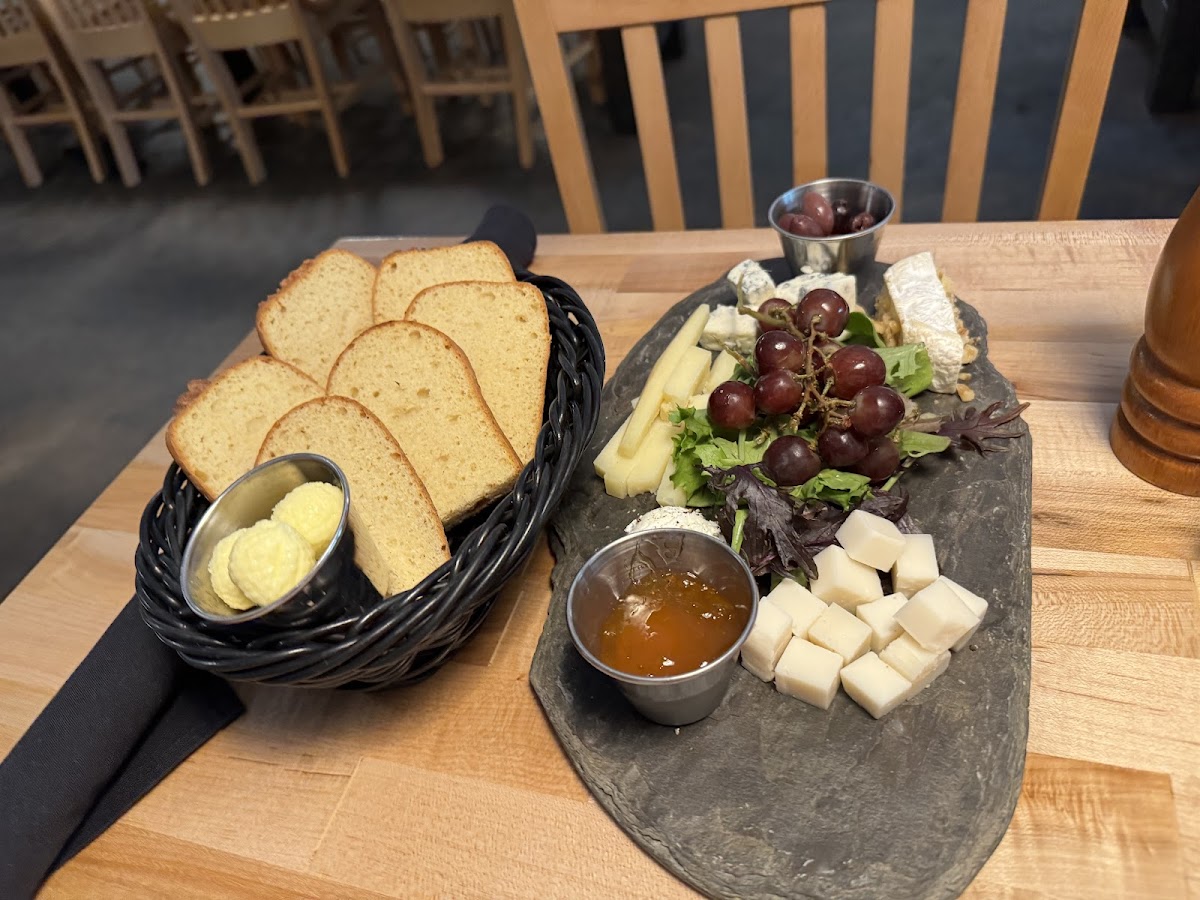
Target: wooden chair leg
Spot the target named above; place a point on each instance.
(424, 112)
(173, 80)
(333, 128)
(229, 97)
(514, 54)
(91, 151)
(118, 138)
(377, 23)
(31, 174)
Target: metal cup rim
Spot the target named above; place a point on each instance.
(773, 218)
(648, 680)
(188, 562)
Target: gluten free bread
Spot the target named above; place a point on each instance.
(220, 424)
(511, 371)
(317, 311)
(406, 273)
(398, 538)
(421, 386)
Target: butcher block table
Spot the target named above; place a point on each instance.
(456, 788)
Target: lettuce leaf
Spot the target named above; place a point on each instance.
(698, 447)
(908, 368)
(861, 330)
(915, 444)
(834, 486)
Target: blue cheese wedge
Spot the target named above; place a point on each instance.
(756, 282)
(793, 291)
(726, 327)
(915, 307)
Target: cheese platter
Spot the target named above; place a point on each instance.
(872, 741)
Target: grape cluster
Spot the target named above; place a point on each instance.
(801, 372)
(820, 218)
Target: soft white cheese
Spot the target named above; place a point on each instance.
(793, 291)
(916, 566)
(874, 685)
(842, 632)
(936, 618)
(674, 517)
(756, 283)
(727, 327)
(808, 672)
(976, 604)
(843, 581)
(771, 632)
(880, 616)
(915, 295)
(799, 603)
(871, 540)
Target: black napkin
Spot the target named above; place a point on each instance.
(511, 231)
(129, 714)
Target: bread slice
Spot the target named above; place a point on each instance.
(406, 273)
(317, 311)
(220, 424)
(505, 332)
(398, 538)
(420, 385)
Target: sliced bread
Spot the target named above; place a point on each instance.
(421, 386)
(398, 538)
(406, 273)
(505, 332)
(317, 311)
(220, 424)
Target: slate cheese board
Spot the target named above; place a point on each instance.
(770, 797)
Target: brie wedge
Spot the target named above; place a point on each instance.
(915, 299)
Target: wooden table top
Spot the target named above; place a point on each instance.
(456, 788)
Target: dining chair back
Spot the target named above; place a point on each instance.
(31, 57)
(111, 39)
(1082, 103)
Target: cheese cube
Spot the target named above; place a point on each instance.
(687, 375)
(722, 370)
(874, 685)
(871, 540)
(808, 672)
(943, 663)
(800, 605)
(916, 566)
(842, 632)
(667, 494)
(793, 291)
(756, 282)
(910, 659)
(976, 604)
(726, 327)
(936, 618)
(771, 632)
(880, 616)
(843, 581)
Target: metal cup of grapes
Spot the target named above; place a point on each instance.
(664, 614)
(831, 225)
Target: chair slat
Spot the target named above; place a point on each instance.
(560, 118)
(889, 94)
(973, 104)
(649, 94)
(586, 15)
(810, 139)
(1081, 108)
(727, 86)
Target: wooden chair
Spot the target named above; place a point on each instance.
(1084, 92)
(289, 83)
(29, 51)
(106, 38)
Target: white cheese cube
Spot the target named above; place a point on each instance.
(808, 672)
(722, 370)
(943, 663)
(756, 282)
(871, 540)
(874, 685)
(880, 616)
(909, 658)
(916, 566)
(770, 635)
(976, 604)
(840, 631)
(936, 618)
(844, 581)
(799, 603)
(726, 327)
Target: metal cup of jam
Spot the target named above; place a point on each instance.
(664, 613)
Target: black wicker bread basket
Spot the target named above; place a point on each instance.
(365, 641)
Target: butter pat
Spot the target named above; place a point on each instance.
(916, 567)
(874, 685)
(218, 573)
(268, 560)
(842, 632)
(314, 510)
(770, 635)
(844, 581)
(871, 540)
(880, 616)
(808, 672)
(799, 603)
(910, 659)
(936, 618)
(976, 604)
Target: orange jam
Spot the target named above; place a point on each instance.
(669, 623)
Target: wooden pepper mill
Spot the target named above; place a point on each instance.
(1156, 432)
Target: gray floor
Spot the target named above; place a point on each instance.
(111, 299)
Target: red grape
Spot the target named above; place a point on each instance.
(882, 459)
(803, 226)
(731, 405)
(862, 222)
(786, 221)
(790, 461)
(855, 367)
(779, 350)
(840, 448)
(877, 410)
(774, 306)
(823, 311)
(841, 217)
(819, 210)
(777, 393)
